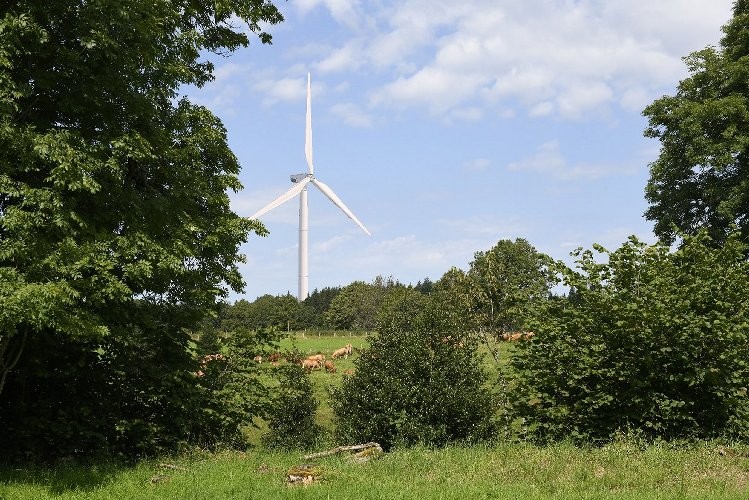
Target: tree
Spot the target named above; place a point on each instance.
(653, 342)
(268, 311)
(425, 286)
(504, 281)
(114, 214)
(291, 414)
(701, 177)
(319, 301)
(357, 305)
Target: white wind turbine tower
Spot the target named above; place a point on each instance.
(301, 181)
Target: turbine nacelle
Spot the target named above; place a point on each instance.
(295, 178)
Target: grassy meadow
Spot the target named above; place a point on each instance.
(501, 470)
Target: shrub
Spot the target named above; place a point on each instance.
(652, 342)
(291, 414)
(420, 382)
(233, 385)
(131, 393)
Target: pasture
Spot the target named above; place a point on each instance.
(309, 343)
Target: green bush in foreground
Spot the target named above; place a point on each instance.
(652, 342)
(232, 384)
(420, 382)
(291, 414)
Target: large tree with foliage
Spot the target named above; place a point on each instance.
(503, 282)
(701, 177)
(356, 306)
(114, 215)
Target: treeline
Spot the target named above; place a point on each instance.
(351, 307)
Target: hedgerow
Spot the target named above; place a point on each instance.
(652, 342)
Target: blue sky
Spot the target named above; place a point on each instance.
(447, 126)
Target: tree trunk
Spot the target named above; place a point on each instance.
(8, 358)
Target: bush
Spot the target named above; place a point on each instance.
(420, 382)
(233, 385)
(131, 393)
(291, 414)
(652, 342)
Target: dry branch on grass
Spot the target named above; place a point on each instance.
(339, 449)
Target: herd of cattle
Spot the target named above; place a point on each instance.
(315, 361)
(318, 361)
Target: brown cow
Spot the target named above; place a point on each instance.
(511, 337)
(330, 367)
(273, 358)
(344, 351)
(311, 364)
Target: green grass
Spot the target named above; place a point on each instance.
(504, 470)
(500, 471)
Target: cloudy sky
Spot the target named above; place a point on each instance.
(447, 126)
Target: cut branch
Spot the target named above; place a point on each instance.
(339, 449)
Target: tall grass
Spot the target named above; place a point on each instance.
(621, 470)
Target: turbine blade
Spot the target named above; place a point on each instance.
(337, 202)
(295, 190)
(308, 135)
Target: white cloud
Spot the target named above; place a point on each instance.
(477, 164)
(407, 254)
(432, 87)
(486, 227)
(327, 245)
(351, 115)
(343, 11)
(283, 89)
(570, 58)
(468, 114)
(347, 57)
(548, 159)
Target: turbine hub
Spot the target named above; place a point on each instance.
(299, 177)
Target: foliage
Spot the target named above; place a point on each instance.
(426, 286)
(115, 224)
(130, 393)
(421, 380)
(655, 342)
(319, 301)
(504, 282)
(291, 414)
(233, 385)
(282, 312)
(701, 177)
(357, 304)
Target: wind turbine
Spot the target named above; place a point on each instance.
(300, 188)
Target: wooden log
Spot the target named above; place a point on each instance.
(339, 449)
